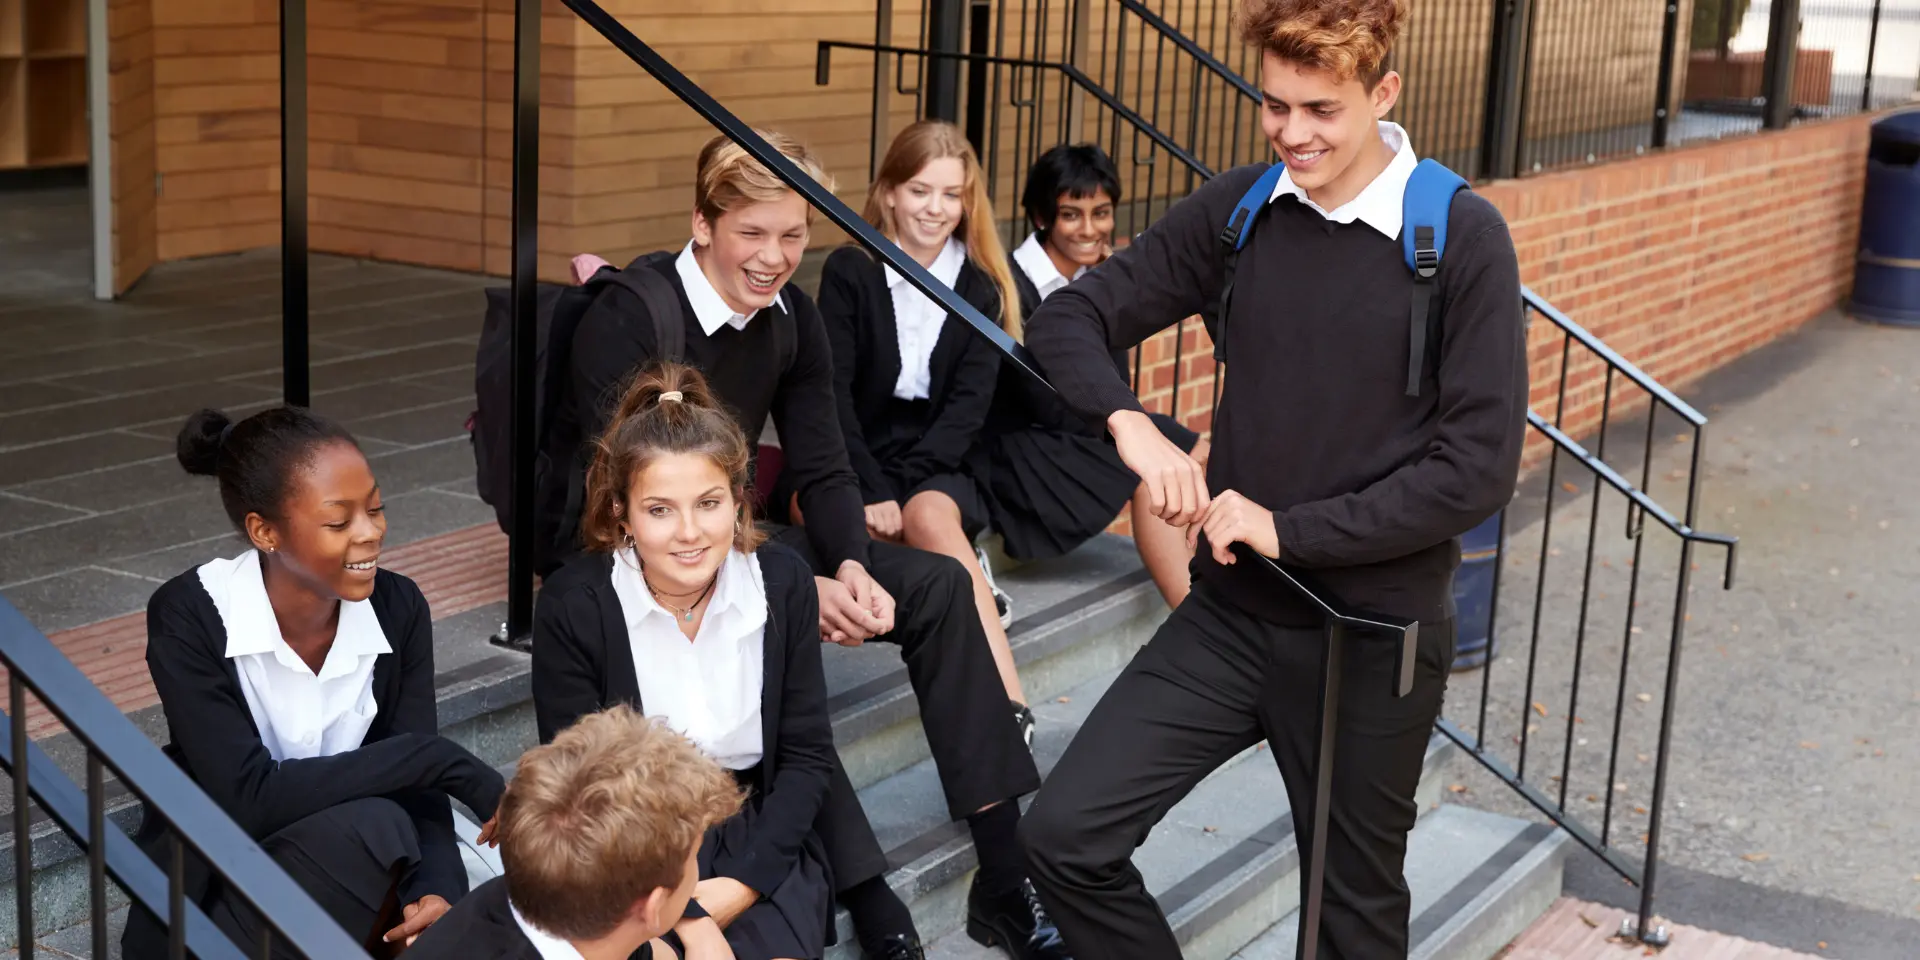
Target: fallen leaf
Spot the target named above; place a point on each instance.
(1822, 944)
(1643, 758)
(1211, 829)
(1649, 952)
(1644, 697)
(1643, 839)
(1862, 741)
(1809, 745)
(1457, 788)
(1593, 798)
(1854, 442)
(1851, 594)
(1636, 631)
(1806, 486)
(1539, 708)
(1879, 752)
(1588, 921)
(1756, 857)
(1062, 699)
(1620, 787)
(1640, 810)
(1679, 438)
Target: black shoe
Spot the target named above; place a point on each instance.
(1016, 923)
(899, 946)
(1023, 718)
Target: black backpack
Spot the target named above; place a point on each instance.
(558, 310)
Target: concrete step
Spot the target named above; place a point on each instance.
(1075, 617)
(1478, 881)
(1223, 863)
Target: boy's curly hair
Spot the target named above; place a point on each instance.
(1349, 37)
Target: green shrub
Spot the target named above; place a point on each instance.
(1706, 22)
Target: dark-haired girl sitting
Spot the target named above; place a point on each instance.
(677, 611)
(297, 681)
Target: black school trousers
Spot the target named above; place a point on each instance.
(963, 707)
(349, 858)
(1213, 681)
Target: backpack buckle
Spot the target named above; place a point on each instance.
(1426, 263)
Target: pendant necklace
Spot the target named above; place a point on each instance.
(684, 613)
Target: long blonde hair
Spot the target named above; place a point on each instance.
(919, 145)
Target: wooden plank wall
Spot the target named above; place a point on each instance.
(216, 125)
(130, 92)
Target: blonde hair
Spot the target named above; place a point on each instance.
(729, 177)
(598, 819)
(1349, 37)
(911, 151)
(667, 408)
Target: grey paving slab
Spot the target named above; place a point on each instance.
(442, 420)
(462, 325)
(76, 455)
(466, 487)
(352, 404)
(111, 413)
(340, 373)
(455, 382)
(424, 466)
(17, 397)
(429, 513)
(90, 359)
(155, 478)
(80, 597)
(168, 562)
(77, 942)
(36, 553)
(237, 364)
(1797, 728)
(18, 513)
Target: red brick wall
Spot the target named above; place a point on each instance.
(1681, 261)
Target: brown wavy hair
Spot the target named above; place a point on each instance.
(921, 144)
(645, 427)
(598, 819)
(1349, 37)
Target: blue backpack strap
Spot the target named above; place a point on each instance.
(1423, 239)
(1234, 237)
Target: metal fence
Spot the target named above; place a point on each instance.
(116, 748)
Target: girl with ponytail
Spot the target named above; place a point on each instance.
(679, 611)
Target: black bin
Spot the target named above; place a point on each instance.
(1886, 280)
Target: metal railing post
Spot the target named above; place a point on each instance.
(1663, 89)
(1326, 732)
(979, 37)
(526, 213)
(1506, 88)
(295, 377)
(1776, 83)
(946, 23)
(22, 826)
(1873, 46)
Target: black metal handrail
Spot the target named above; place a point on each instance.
(823, 75)
(114, 744)
(1341, 621)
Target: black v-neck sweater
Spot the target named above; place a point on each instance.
(1369, 487)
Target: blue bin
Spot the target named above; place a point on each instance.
(1886, 281)
(1473, 595)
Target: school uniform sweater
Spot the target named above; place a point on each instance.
(616, 339)
(483, 927)
(857, 307)
(215, 739)
(1369, 487)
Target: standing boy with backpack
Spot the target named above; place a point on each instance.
(1372, 412)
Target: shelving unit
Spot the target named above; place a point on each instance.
(43, 83)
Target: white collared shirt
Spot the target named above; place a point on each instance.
(300, 714)
(919, 320)
(1031, 257)
(707, 688)
(708, 306)
(548, 946)
(1380, 204)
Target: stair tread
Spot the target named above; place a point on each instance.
(1454, 855)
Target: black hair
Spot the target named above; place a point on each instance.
(255, 459)
(1078, 170)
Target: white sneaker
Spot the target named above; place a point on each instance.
(1001, 601)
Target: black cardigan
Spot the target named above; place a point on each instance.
(582, 662)
(858, 310)
(481, 927)
(402, 757)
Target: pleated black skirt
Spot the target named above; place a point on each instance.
(793, 920)
(1048, 491)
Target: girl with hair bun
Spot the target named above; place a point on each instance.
(297, 682)
(679, 611)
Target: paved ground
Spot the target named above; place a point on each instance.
(1796, 745)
